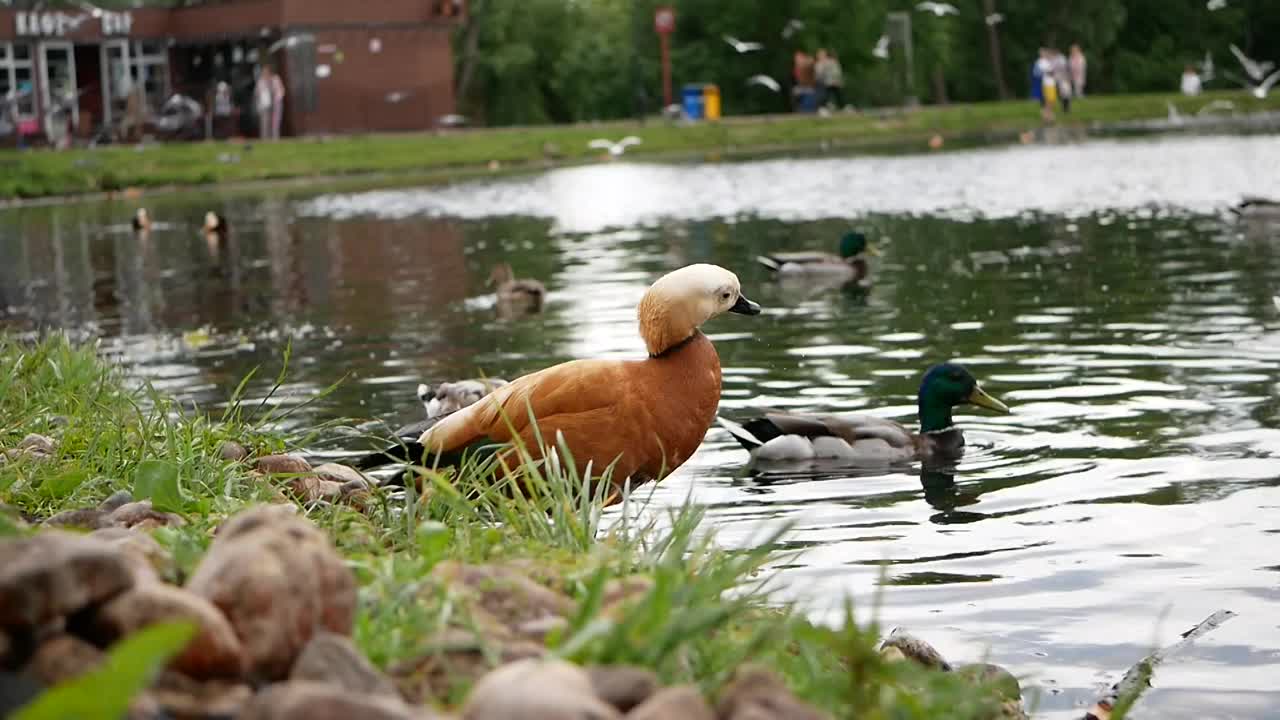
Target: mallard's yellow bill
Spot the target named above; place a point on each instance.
(873, 250)
(980, 398)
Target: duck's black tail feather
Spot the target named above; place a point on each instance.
(408, 451)
(751, 434)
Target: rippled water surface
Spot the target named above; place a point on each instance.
(1101, 290)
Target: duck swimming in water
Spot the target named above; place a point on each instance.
(849, 266)
(453, 396)
(646, 417)
(868, 439)
(516, 296)
(141, 220)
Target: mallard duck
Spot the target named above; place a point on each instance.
(453, 396)
(516, 296)
(141, 220)
(849, 265)
(859, 439)
(644, 416)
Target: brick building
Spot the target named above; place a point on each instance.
(373, 65)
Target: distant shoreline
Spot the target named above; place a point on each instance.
(127, 172)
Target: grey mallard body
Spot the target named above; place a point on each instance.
(850, 265)
(868, 439)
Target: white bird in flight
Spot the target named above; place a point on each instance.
(792, 27)
(615, 148)
(1215, 106)
(994, 19)
(938, 8)
(764, 81)
(1206, 68)
(742, 47)
(881, 50)
(1216, 4)
(1256, 70)
(1261, 90)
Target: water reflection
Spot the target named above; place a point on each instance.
(1138, 348)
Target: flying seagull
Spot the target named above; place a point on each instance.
(764, 81)
(290, 41)
(1206, 68)
(451, 120)
(1216, 4)
(792, 27)
(1261, 90)
(994, 19)
(1215, 106)
(1256, 70)
(938, 8)
(615, 148)
(881, 50)
(742, 47)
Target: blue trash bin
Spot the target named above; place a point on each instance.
(693, 101)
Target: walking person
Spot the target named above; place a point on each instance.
(830, 78)
(1062, 79)
(268, 96)
(802, 73)
(1043, 87)
(1078, 68)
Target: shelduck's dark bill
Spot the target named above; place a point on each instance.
(745, 306)
(980, 398)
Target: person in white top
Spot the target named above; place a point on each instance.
(268, 96)
(1190, 81)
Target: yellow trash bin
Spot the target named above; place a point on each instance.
(711, 102)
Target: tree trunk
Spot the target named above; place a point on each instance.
(997, 62)
(939, 86)
(470, 50)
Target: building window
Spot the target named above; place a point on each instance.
(17, 76)
(150, 67)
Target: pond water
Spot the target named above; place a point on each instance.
(1100, 289)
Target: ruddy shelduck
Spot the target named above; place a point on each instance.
(644, 418)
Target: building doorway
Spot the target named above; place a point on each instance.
(58, 93)
(89, 109)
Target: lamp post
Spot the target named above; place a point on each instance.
(664, 22)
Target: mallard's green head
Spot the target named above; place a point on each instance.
(854, 244)
(945, 386)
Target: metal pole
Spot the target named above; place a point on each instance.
(665, 41)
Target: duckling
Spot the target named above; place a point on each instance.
(867, 439)
(451, 397)
(646, 417)
(849, 266)
(516, 297)
(141, 220)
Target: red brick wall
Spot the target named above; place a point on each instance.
(417, 61)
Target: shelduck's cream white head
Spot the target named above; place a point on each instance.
(679, 303)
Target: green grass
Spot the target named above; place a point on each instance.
(701, 612)
(430, 156)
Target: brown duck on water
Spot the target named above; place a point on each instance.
(516, 296)
(644, 417)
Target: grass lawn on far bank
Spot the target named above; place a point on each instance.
(446, 155)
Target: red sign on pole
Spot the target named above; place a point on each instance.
(664, 20)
